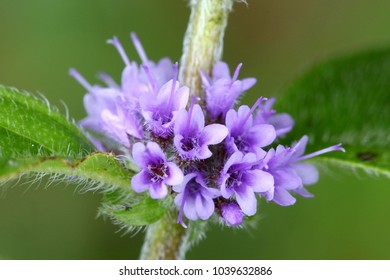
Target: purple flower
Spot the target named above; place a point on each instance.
(149, 105)
(282, 123)
(243, 135)
(194, 198)
(156, 172)
(231, 213)
(289, 173)
(192, 137)
(240, 178)
(159, 107)
(162, 70)
(122, 123)
(114, 110)
(222, 90)
(134, 79)
(108, 113)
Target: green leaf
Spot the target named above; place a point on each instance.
(30, 126)
(345, 101)
(94, 169)
(36, 139)
(141, 213)
(31, 131)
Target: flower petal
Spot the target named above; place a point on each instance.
(175, 175)
(308, 173)
(180, 187)
(303, 192)
(180, 126)
(300, 146)
(155, 151)
(258, 180)
(181, 98)
(231, 119)
(243, 122)
(247, 200)
(221, 70)
(261, 135)
(213, 134)
(283, 123)
(281, 157)
(225, 191)
(204, 152)
(286, 178)
(158, 190)
(283, 197)
(269, 195)
(204, 207)
(178, 199)
(141, 181)
(140, 157)
(197, 120)
(190, 208)
(234, 158)
(247, 83)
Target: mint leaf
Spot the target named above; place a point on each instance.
(38, 128)
(345, 101)
(139, 213)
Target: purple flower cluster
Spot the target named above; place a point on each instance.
(213, 160)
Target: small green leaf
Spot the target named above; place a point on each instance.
(345, 101)
(94, 169)
(144, 212)
(30, 127)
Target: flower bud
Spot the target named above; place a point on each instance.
(232, 214)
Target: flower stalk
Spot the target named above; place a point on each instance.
(203, 41)
(165, 240)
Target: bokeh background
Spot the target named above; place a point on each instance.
(276, 40)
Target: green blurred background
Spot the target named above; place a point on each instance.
(276, 40)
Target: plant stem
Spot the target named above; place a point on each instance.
(168, 240)
(165, 240)
(203, 41)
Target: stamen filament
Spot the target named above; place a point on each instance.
(80, 79)
(189, 116)
(320, 152)
(183, 201)
(236, 72)
(115, 42)
(108, 80)
(151, 79)
(257, 103)
(138, 46)
(172, 95)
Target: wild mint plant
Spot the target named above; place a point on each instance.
(173, 151)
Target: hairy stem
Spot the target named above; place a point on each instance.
(203, 41)
(168, 240)
(164, 240)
